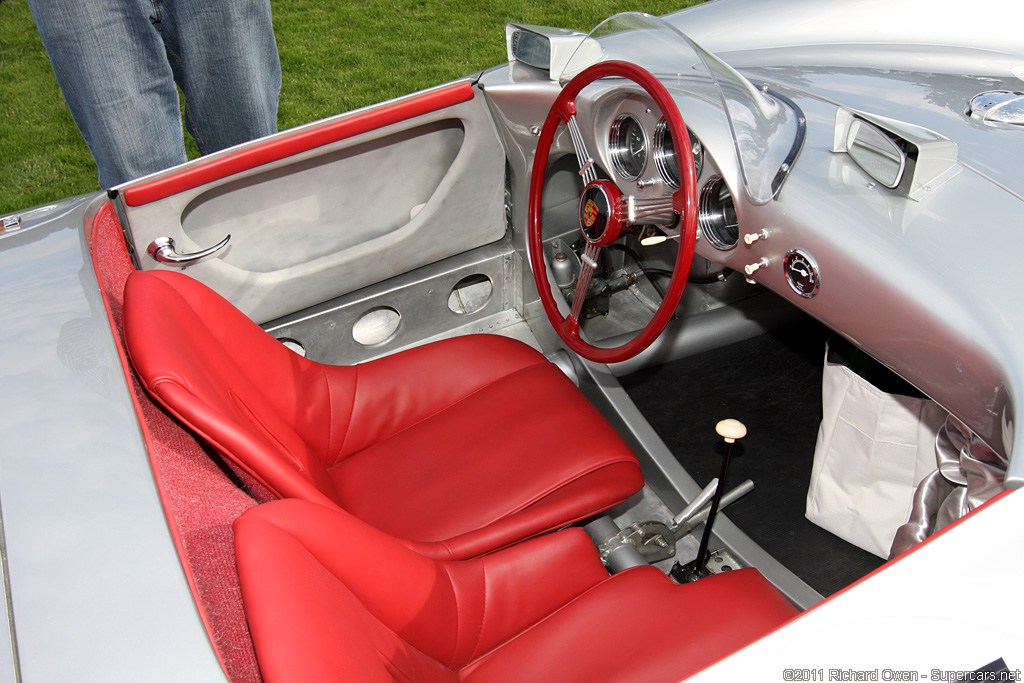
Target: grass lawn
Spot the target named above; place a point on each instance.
(335, 56)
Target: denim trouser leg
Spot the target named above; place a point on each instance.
(112, 68)
(225, 59)
(116, 74)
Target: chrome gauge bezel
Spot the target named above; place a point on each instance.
(620, 151)
(665, 151)
(716, 216)
(802, 273)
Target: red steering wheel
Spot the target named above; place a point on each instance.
(603, 213)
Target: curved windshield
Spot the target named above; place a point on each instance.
(766, 129)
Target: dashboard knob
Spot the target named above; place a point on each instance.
(752, 237)
(752, 268)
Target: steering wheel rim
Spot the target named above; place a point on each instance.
(684, 201)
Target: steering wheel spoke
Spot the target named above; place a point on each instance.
(604, 212)
(648, 211)
(582, 155)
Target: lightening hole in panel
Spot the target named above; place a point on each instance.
(376, 326)
(294, 346)
(470, 294)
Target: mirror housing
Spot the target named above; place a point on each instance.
(542, 47)
(909, 159)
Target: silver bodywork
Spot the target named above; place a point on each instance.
(96, 587)
(93, 583)
(926, 260)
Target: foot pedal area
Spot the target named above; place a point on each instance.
(719, 561)
(653, 540)
(638, 544)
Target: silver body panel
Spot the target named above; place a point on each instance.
(96, 587)
(926, 286)
(916, 284)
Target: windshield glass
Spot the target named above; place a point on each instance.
(766, 129)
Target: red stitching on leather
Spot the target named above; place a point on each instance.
(454, 402)
(256, 420)
(486, 590)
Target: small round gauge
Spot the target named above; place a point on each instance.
(665, 154)
(802, 273)
(628, 143)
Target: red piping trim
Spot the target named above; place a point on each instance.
(280, 148)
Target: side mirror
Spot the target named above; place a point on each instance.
(542, 47)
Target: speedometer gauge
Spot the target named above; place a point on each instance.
(628, 144)
(665, 154)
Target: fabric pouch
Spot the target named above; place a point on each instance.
(873, 449)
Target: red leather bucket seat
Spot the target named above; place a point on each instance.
(459, 447)
(369, 609)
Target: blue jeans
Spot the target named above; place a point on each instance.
(117, 63)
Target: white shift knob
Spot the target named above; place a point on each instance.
(730, 430)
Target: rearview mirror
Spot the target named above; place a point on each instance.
(876, 153)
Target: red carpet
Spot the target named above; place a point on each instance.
(200, 499)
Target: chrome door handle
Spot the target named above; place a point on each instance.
(162, 250)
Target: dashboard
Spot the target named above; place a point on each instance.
(638, 153)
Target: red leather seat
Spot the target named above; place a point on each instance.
(370, 609)
(459, 447)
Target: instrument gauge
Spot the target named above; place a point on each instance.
(665, 155)
(628, 144)
(802, 273)
(717, 216)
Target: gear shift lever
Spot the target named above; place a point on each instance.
(730, 430)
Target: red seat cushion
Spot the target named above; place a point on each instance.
(368, 608)
(640, 626)
(459, 447)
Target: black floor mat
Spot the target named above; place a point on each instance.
(773, 385)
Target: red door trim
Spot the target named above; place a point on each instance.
(280, 148)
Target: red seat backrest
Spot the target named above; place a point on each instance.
(189, 346)
(329, 597)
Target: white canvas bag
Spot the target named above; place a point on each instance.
(873, 449)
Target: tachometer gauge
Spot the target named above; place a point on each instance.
(628, 143)
(665, 154)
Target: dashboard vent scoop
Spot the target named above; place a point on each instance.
(998, 106)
